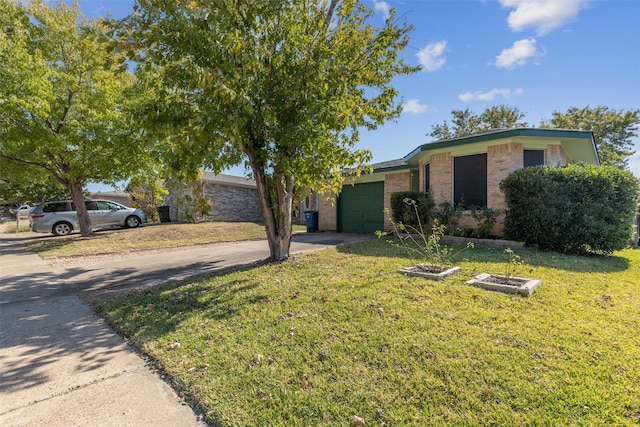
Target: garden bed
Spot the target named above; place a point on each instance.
(430, 271)
(512, 285)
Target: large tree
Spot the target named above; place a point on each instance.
(465, 122)
(612, 130)
(284, 84)
(20, 183)
(64, 96)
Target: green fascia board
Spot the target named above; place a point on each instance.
(507, 133)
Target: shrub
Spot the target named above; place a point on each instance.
(486, 219)
(417, 242)
(575, 209)
(449, 216)
(405, 213)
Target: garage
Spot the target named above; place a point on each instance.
(360, 208)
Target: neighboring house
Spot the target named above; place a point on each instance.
(468, 168)
(231, 198)
(121, 197)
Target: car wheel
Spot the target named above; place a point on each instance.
(62, 229)
(132, 221)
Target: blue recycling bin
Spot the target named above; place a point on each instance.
(311, 218)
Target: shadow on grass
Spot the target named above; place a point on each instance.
(485, 253)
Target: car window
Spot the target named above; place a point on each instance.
(56, 207)
(103, 205)
(90, 205)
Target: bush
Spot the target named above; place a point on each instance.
(575, 209)
(405, 213)
(449, 216)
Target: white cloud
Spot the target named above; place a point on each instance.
(381, 6)
(432, 56)
(413, 106)
(518, 54)
(488, 96)
(542, 15)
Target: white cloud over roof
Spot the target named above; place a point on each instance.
(414, 106)
(432, 56)
(542, 15)
(490, 95)
(518, 54)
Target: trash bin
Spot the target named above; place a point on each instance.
(311, 218)
(163, 213)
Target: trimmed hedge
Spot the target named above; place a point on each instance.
(402, 212)
(575, 209)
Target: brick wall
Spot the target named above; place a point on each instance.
(230, 203)
(441, 177)
(392, 184)
(556, 156)
(501, 161)
(328, 213)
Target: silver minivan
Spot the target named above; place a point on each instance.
(60, 218)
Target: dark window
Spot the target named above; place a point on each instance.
(427, 178)
(90, 205)
(533, 157)
(470, 180)
(56, 207)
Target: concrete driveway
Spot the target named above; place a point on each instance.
(61, 365)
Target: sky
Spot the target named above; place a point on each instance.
(540, 56)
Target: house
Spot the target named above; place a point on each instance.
(467, 169)
(117, 196)
(230, 198)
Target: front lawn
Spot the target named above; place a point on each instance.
(338, 333)
(148, 237)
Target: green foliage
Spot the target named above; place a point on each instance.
(195, 206)
(486, 219)
(404, 205)
(27, 184)
(613, 130)
(514, 262)
(285, 86)
(65, 98)
(417, 242)
(576, 209)
(147, 196)
(449, 215)
(465, 122)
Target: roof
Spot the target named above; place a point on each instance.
(564, 134)
(115, 193)
(231, 180)
(390, 164)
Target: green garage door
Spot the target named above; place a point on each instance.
(360, 208)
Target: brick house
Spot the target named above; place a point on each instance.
(468, 168)
(231, 198)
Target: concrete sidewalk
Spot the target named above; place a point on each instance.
(61, 365)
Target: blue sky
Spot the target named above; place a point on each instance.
(540, 56)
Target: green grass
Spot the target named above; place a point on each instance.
(337, 333)
(150, 237)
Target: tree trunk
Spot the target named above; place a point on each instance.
(277, 226)
(84, 221)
